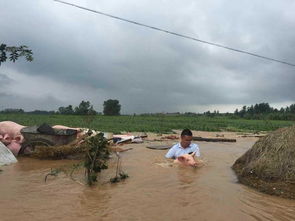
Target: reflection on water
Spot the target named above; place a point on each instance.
(156, 190)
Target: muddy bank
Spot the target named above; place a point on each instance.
(155, 190)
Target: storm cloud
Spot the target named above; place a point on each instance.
(79, 55)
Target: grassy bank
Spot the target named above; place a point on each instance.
(156, 124)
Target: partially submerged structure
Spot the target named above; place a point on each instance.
(269, 165)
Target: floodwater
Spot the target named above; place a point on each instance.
(155, 190)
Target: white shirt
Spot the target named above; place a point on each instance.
(177, 150)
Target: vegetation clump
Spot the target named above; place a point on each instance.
(269, 165)
(94, 149)
(97, 154)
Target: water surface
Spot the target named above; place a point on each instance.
(155, 190)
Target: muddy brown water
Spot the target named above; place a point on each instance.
(155, 190)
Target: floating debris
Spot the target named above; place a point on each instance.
(214, 139)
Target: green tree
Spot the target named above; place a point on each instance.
(243, 111)
(85, 108)
(13, 53)
(66, 110)
(262, 108)
(292, 108)
(111, 107)
(282, 110)
(250, 110)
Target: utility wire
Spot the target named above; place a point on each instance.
(176, 34)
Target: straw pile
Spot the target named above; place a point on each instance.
(73, 150)
(269, 165)
(59, 152)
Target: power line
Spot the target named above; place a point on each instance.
(176, 34)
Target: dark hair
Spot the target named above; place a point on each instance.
(186, 132)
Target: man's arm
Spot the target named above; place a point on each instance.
(171, 153)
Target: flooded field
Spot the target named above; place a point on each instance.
(155, 190)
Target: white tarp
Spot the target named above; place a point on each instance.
(6, 156)
(124, 138)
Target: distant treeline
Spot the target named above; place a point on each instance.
(110, 107)
(261, 111)
(265, 111)
(84, 108)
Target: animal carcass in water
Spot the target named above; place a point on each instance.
(11, 136)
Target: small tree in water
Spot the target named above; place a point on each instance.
(96, 157)
(111, 107)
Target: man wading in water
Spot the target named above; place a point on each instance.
(184, 151)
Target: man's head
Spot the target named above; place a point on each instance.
(186, 138)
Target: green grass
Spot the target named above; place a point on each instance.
(158, 124)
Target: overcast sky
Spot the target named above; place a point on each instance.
(79, 55)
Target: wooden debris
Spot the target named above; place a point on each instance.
(118, 149)
(170, 137)
(254, 135)
(207, 139)
(159, 147)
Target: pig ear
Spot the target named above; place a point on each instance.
(181, 158)
(193, 154)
